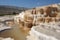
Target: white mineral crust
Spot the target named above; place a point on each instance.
(44, 32)
(6, 38)
(3, 27)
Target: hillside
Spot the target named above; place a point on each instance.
(9, 10)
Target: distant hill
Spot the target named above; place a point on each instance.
(9, 10)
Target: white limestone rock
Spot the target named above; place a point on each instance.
(48, 32)
(6, 38)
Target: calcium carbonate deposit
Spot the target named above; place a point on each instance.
(45, 32)
(43, 21)
(45, 28)
(6, 38)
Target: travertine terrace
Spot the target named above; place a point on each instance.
(37, 15)
(43, 21)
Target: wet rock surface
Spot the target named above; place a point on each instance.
(14, 32)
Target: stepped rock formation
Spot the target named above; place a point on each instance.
(39, 14)
(43, 21)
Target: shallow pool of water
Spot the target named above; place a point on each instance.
(15, 32)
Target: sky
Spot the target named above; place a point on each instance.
(28, 3)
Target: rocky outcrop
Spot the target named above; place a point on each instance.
(43, 21)
(39, 14)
